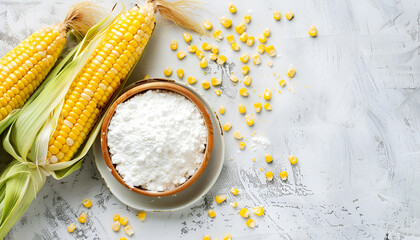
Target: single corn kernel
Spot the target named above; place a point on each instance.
(243, 37)
(245, 69)
(230, 39)
(283, 175)
(180, 73)
(221, 59)
(82, 217)
(257, 107)
(282, 82)
(205, 84)
(293, 160)
(116, 217)
(206, 46)
(220, 198)
(250, 41)
(262, 38)
(123, 238)
(116, 226)
(232, 8)
(211, 213)
(215, 81)
(269, 63)
(218, 35)
(218, 92)
(141, 215)
(251, 223)
(213, 56)
(290, 15)
(226, 22)
(267, 94)
(244, 213)
(192, 48)
(256, 59)
(234, 204)
(269, 175)
(268, 158)
(261, 48)
(215, 49)
(247, 80)
(207, 237)
(191, 79)
(207, 24)
(123, 220)
(243, 92)
(167, 71)
(187, 37)
(276, 15)
(270, 50)
(199, 54)
(146, 77)
(254, 159)
(241, 108)
(312, 31)
(71, 228)
(267, 32)
(291, 72)
(129, 230)
(234, 191)
(233, 78)
(244, 58)
(267, 106)
(228, 236)
(227, 126)
(235, 47)
(259, 211)
(240, 28)
(203, 62)
(237, 135)
(87, 203)
(174, 44)
(181, 55)
(249, 119)
(241, 145)
(247, 19)
(222, 109)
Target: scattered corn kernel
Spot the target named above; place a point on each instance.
(207, 237)
(283, 175)
(192, 48)
(244, 213)
(249, 119)
(270, 50)
(228, 236)
(220, 198)
(141, 215)
(230, 39)
(116, 226)
(116, 217)
(243, 92)
(243, 37)
(237, 135)
(222, 109)
(203, 62)
(129, 230)
(233, 78)
(146, 77)
(240, 28)
(268, 158)
(211, 213)
(267, 94)
(218, 35)
(87, 203)
(250, 41)
(257, 107)
(261, 48)
(206, 46)
(312, 31)
(247, 80)
(293, 160)
(218, 92)
(180, 73)
(251, 223)
(234, 191)
(205, 84)
(247, 19)
(181, 55)
(123, 220)
(191, 79)
(227, 126)
(215, 81)
(267, 106)
(259, 211)
(282, 82)
(215, 49)
(232, 8)
(82, 217)
(256, 59)
(290, 15)
(267, 32)
(291, 73)
(269, 175)
(269, 63)
(234, 204)
(207, 24)
(221, 59)
(226, 22)
(242, 145)
(244, 58)
(167, 71)
(245, 69)
(174, 44)
(123, 238)
(241, 108)
(187, 37)
(213, 56)
(71, 228)
(262, 38)
(199, 54)
(276, 15)
(254, 159)
(235, 47)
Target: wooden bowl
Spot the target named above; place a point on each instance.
(162, 86)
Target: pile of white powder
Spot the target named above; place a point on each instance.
(157, 140)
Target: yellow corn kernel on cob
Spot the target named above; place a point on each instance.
(227, 126)
(180, 73)
(291, 72)
(181, 55)
(141, 215)
(167, 71)
(242, 145)
(276, 15)
(123, 221)
(187, 37)
(247, 19)
(228, 236)
(116, 217)
(71, 228)
(267, 106)
(259, 211)
(249, 119)
(116, 226)
(222, 109)
(237, 135)
(87, 203)
(251, 223)
(245, 69)
(268, 158)
(269, 175)
(232, 8)
(241, 108)
(205, 84)
(207, 24)
(312, 31)
(174, 44)
(220, 198)
(293, 160)
(244, 213)
(234, 191)
(226, 22)
(250, 41)
(192, 48)
(290, 15)
(128, 230)
(240, 28)
(243, 37)
(233, 78)
(243, 92)
(211, 213)
(283, 175)
(82, 217)
(221, 60)
(257, 107)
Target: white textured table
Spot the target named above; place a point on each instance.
(352, 117)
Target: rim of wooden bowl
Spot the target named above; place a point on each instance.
(158, 86)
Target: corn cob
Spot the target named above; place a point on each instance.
(24, 67)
